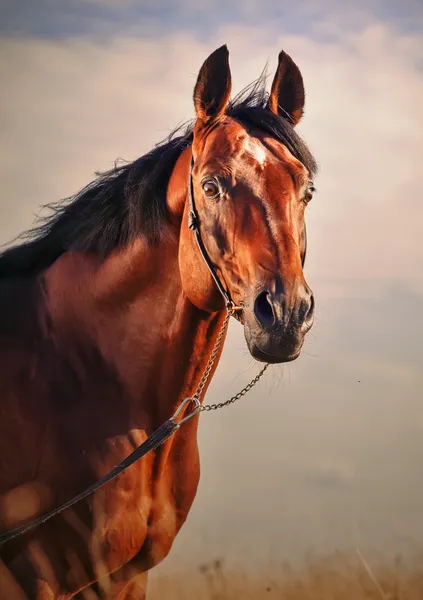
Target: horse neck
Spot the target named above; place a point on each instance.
(133, 310)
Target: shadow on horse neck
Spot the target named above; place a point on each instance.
(109, 310)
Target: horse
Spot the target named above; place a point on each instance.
(110, 309)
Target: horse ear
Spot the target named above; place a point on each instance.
(213, 87)
(287, 94)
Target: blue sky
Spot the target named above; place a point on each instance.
(103, 18)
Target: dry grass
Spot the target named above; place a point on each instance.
(338, 577)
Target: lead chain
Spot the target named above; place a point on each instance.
(209, 366)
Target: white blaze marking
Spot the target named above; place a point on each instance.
(256, 150)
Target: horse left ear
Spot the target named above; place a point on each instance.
(287, 94)
(213, 87)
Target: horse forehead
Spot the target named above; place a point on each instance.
(254, 149)
(271, 162)
(243, 145)
(234, 146)
(283, 156)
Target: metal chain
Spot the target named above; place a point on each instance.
(212, 358)
(237, 396)
(207, 371)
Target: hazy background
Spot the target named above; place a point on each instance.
(326, 452)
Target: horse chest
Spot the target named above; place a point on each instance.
(138, 515)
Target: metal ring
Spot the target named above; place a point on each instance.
(184, 402)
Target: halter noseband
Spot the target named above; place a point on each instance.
(193, 224)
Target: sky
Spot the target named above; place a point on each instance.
(325, 452)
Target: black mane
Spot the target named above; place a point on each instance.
(130, 199)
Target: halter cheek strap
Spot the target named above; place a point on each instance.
(193, 224)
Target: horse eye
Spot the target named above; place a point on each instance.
(309, 194)
(211, 189)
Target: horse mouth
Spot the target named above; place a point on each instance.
(263, 356)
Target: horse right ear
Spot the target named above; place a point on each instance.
(213, 88)
(287, 94)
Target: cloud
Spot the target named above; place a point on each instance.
(202, 18)
(92, 102)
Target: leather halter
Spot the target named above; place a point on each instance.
(193, 224)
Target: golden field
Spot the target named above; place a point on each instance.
(338, 577)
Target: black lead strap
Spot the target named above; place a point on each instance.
(151, 443)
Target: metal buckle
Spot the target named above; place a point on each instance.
(235, 311)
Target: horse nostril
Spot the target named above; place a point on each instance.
(306, 308)
(311, 307)
(263, 310)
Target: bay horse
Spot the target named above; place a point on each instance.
(109, 311)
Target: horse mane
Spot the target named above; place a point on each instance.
(129, 200)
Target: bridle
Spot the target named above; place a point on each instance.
(193, 224)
